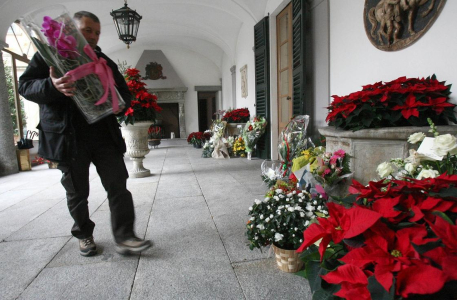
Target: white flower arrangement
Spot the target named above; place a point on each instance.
(282, 216)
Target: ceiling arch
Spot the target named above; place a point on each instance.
(209, 26)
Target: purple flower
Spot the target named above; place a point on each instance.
(54, 32)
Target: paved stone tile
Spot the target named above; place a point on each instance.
(107, 280)
(262, 280)
(22, 261)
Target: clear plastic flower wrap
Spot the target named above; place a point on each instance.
(252, 131)
(271, 171)
(291, 141)
(58, 40)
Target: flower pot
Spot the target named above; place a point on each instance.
(287, 260)
(154, 143)
(136, 140)
(198, 146)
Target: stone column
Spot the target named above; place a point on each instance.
(182, 121)
(8, 160)
(233, 72)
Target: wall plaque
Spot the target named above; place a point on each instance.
(393, 25)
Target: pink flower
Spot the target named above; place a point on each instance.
(64, 44)
(339, 153)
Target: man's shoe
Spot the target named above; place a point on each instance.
(87, 247)
(132, 245)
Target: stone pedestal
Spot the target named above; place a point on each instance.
(136, 140)
(370, 147)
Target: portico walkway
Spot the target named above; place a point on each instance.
(194, 209)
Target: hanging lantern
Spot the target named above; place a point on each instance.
(127, 22)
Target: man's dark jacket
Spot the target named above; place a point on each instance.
(60, 119)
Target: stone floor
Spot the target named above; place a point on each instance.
(194, 209)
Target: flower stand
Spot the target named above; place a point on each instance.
(287, 260)
(136, 140)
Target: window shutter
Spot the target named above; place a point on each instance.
(301, 105)
(262, 83)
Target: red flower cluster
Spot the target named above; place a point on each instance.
(402, 102)
(240, 115)
(144, 106)
(401, 234)
(196, 138)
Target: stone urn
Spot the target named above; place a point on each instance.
(370, 147)
(136, 140)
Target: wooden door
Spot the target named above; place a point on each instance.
(284, 50)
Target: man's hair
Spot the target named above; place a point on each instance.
(87, 14)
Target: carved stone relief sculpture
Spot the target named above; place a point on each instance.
(244, 81)
(393, 25)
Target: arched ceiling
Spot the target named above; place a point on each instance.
(209, 27)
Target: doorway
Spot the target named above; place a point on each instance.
(206, 110)
(284, 60)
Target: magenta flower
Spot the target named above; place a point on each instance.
(54, 32)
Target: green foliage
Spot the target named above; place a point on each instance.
(10, 88)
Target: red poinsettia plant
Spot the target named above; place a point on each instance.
(144, 105)
(397, 240)
(401, 102)
(196, 138)
(240, 115)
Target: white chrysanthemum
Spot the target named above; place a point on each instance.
(307, 223)
(295, 228)
(257, 201)
(294, 192)
(293, 235)
(309, 214)
(291, 209)
(278, 237)
(290, 195)
(302, 214)
(300, 200)
(269, 207)
(271, 216)
(252, 219)
(314, 202)
(276, 198)
(266, 199)
(300, 195)
(278, 191)
(267, 220)
(261, 217)
(287, 199)
(260, 226)
(250, 208)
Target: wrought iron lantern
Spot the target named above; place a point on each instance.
(127, 22)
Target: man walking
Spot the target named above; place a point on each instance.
(66, 138)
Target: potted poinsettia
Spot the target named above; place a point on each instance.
(196, 139)
(392, 239)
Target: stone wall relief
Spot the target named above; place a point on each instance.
(393, 25)
(244, 81)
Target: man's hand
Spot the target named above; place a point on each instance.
(62, 84)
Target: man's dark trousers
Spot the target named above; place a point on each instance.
(91, 146)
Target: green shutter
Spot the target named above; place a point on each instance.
(262, 83)
(301, 105)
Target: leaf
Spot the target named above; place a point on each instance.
(378, 292)
(349, 199)
(446, 192)
(313, 271)
(444, 216)
(326, 294)
(421, 249)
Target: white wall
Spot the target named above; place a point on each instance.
(227, 97)
(191, 67)
(245, 56)
(355, 62)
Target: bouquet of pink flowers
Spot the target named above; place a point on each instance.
(62, 46)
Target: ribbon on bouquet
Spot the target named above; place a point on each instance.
(100, 68)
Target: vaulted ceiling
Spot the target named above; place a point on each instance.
(209, 27)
